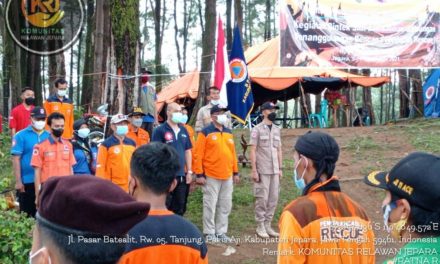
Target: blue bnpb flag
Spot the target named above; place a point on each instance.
(240, 98)
(431, 94)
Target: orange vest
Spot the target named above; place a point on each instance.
(141, 137)
(65, 107)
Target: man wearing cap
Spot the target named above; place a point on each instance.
(83, 220)
(266, 160)
(53, 156)
(85, 151)
(115, 152)
(173, 239)
(22, 148)
(204, 114)
(322, 219)
(216, 169)
(411, 208)
(20, 117)
(135, 132)
(59, 102)
(147, 101)
(172, 132)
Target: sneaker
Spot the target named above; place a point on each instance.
(211, 239)
(270, 231)
(261, 231)
(223, 238)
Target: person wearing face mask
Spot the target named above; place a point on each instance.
(204, 115)
(53, 156)
(216, 168)
(20, 117)
(411, 207)
(22, 148)
(84, 220)
(59, 102)
(323, 219)
(266, 161)
(190, 130)
(174, 239)
(172, 132)
(135, 132)
(84, 150)
(115, 152)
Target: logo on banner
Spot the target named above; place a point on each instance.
(429, 94)
(238, 70)
(45, 27)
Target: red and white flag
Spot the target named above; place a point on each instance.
(222, 73)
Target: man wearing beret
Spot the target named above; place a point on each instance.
(169, 238)
(83, 220)
(323, 219)
(411, 207)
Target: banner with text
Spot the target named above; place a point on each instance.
(360, 33)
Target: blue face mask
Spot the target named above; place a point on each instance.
(122, 130)
(386, 210)
(184, 119)
(300, 183)
(176, 117)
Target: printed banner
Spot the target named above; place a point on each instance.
(360, 33)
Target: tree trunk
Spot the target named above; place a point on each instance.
(238, 14)
(267, 24)
(404, 93)
(126, 35)
(57, 69)
(87, 79)
(367, 99)
(417, 90)
(176, 37)
(159, 26)
(228, 24)
(208, 42)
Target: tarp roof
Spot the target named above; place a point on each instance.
(268, 77)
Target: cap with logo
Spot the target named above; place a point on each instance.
(269, 106)
(415, 178)
(118, 118)
(218, 108)
(38, 112)
(137, 111)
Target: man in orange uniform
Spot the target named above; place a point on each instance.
(53, 156)
(323, 225)
(216, 170)
(58, 102)
(115, 152)
(135, 132)
(163, 237)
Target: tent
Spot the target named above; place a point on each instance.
(270, 81)
(431, 94)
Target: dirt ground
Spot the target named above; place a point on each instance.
(377, 148)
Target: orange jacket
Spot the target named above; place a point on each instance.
(215, 153)
(65, 107)
(164, 237)
(193, 143)
(113, 161)
(141, 137)
(325, 226)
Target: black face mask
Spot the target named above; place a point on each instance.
(29, 101)
(272, 116)
(57, 132)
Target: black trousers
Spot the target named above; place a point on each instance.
(27, 200)
(176, 200)
(148, 126)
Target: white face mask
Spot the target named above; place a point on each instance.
(136, 122)
(62, 93)
(83, 132)
(31, 256)
(39, 125)
(222, 119)
(215, 102)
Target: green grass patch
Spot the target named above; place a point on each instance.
(362, 143)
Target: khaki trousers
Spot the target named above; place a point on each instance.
(217, 204)
(266, 197)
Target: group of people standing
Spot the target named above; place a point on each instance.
(140, 173)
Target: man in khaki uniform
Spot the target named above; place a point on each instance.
(204, 114)
(266, 159)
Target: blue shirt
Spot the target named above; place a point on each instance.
(82, 165)
(180, 142)
(23, 145)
